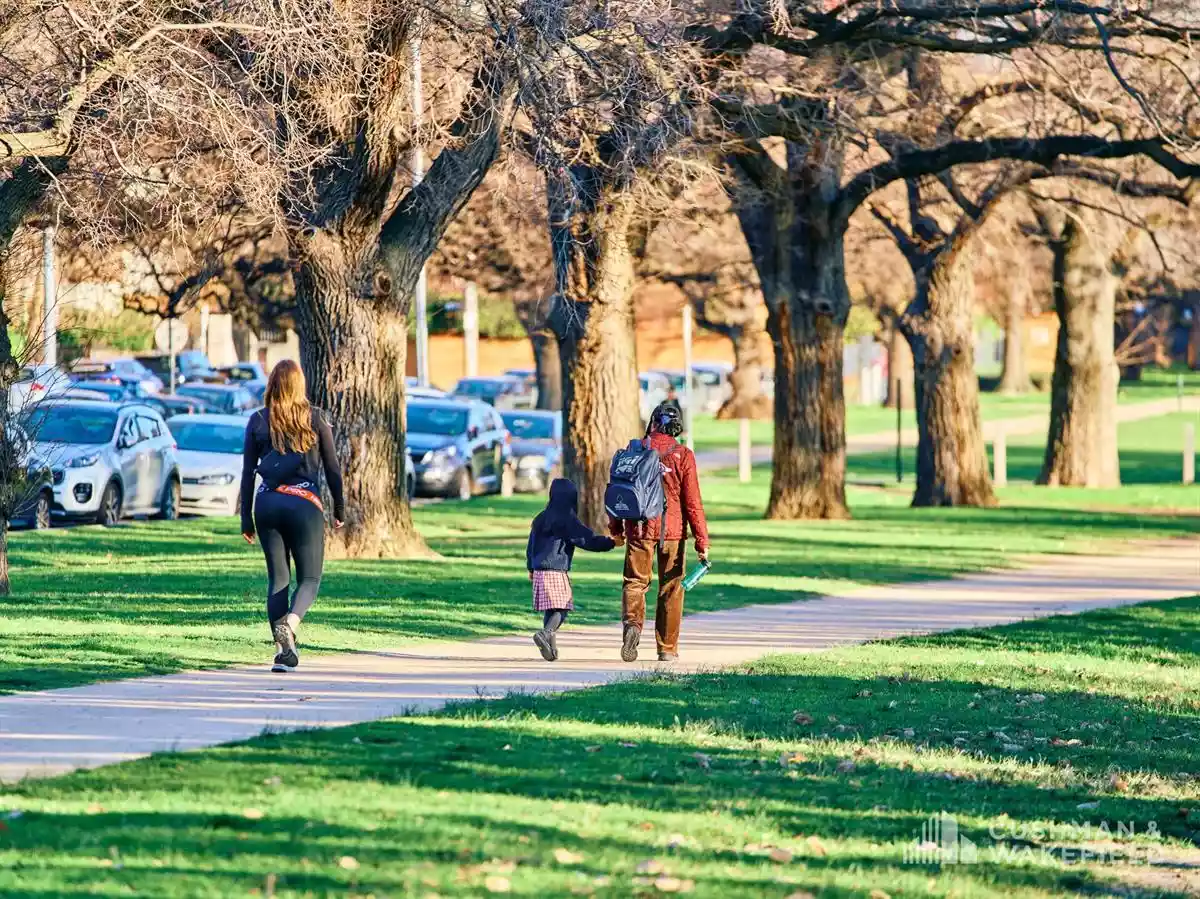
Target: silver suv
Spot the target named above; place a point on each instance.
(105, 460)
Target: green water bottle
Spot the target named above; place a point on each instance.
(693, 577)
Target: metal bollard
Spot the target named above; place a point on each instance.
(999, 460)
(744, 450)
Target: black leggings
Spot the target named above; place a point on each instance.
(290, 526)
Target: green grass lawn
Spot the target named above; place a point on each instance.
(797, 776)
(146, 598)
(1156, 384)
(1151, 452)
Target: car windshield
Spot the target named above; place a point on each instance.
(221, 399)
(71, 424)
(530, 427)
(480, 388)
(113, 391)
(444, 421)
(239, 374)
(208, 437)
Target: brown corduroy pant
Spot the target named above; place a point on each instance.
(639, 567)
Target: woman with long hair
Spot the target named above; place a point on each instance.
(288, 444)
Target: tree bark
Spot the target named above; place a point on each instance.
(592, 317)
(1081, 447)
(901, 373)
(746, 399)
(5, 582)
(796, 241)
(952, 467)
(549, 370)
(1014, 378)
(353, 346)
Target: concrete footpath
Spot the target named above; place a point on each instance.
(885, 441)
(85, 727)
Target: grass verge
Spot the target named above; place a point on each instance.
(796, 776)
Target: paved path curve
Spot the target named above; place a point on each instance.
(85, 727)
(885, 441)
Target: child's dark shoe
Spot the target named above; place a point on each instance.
(546, 644)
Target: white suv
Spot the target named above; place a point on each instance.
(106, 460)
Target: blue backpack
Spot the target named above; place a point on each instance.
(635, 487)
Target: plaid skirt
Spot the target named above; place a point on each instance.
(552, 590)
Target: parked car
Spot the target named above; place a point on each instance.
(528, 377)
(250, 375)
(190, 365)
(127, 372)
(226, 399)
(168, 405)
(35, 497)
(502, 392)
(105, 460)
(103, 391)
(458, 448)
(210, 461)
(34, 383)
(653, 388)
(536, 448)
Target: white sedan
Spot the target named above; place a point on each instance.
(210, 460)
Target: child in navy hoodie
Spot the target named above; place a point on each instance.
(553, 537)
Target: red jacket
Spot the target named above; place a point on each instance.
(682, 488)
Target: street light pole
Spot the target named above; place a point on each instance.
(688, 393)
(50, 299)
(418, 172)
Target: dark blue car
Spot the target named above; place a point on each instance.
(536, 448)
(458, 449)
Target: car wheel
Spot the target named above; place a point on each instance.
(41, 511)
(169, 509)
(110, 506)
(463, 488)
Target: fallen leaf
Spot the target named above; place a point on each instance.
(501, 867)
(1058, 741)
(254, 814)
(94, 809)
(567, 857)
(1083, 805)
(782, 856)
(863, 694)
(676, 840)
(273, 781)
(507, 747)
(1118, 783)
(593, 748)
(645, 825)
(495, 884)
(627, 745)
(752, 700)
(704, 761)
(845, 766)
(1012, 747)
(802, 718)
(909, 733)
(348, 863)
(1036, 697)
(650, 866)
(815, 844)
(792, 758)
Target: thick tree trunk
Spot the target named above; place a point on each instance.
(900, 372)
(952, 467)
(549, 369)
(353, 349)
(746, 399)
(592, 316)
(1081, 447)
(1014, 378)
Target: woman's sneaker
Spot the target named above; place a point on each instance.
(546, 644)
(288, 656)
(629, 643)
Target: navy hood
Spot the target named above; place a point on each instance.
(564, 498)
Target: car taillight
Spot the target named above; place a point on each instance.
(37, 386)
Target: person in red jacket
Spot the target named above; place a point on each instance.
(684, 510)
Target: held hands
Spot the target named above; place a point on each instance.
(618, 542)
(338, 525)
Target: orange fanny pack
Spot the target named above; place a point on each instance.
(302, 493)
